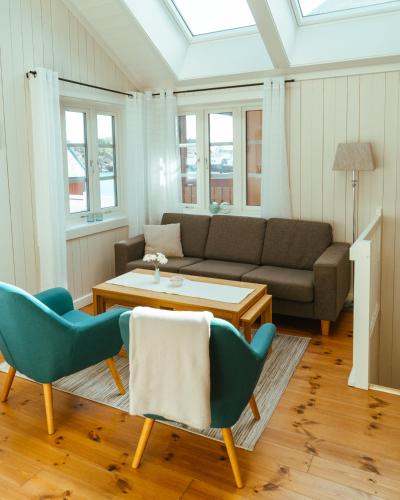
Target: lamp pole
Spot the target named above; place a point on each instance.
(354, 182)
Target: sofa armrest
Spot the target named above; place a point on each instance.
(331, 281)
(127, 250)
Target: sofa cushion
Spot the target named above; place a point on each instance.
(284, 283)
(294, 243)
(165, 239)
(237, 239)
(173, 265)
(194, 231)
(218, 269)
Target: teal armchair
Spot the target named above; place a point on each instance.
(235, 369)
(44, 338)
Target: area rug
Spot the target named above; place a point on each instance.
(96, 384)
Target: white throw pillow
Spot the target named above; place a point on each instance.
(165, 238)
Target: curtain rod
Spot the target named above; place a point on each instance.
(222, 88)
(34, 73)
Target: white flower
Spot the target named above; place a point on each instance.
(161, 258)
(150, 257)
(157, 259)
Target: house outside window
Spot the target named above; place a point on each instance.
(91, 159)
(220, 157)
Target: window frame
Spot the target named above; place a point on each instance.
(239, 155)
(340, 15)
(248, 208)
(92, 109)
(200, 159)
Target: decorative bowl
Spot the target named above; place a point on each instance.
(176, 281)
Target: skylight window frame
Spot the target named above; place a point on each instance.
(214, 35)
(348, 14)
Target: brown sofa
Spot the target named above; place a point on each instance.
(307, 274)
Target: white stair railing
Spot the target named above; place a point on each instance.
(366, 255)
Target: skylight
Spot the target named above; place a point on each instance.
(210, 16)
(317, 7)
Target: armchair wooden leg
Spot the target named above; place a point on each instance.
(325, 326)
(48, 402)
(115, 375)
(7, 384)
(254, 407)
(230, 448)
(144, 437)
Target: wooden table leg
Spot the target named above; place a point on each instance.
(266, 316)
(99, 304)
(247, 332)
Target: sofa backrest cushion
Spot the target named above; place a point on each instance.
(194, 231)
(237, 239)
(295, 243)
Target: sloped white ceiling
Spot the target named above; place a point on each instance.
(149, 44)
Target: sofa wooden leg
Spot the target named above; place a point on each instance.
(230, 448)
(325, 326)
(48, 402)
(7, 384)
(144, 437)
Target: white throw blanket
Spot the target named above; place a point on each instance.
(169, 361)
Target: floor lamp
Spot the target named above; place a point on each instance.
(355, 156)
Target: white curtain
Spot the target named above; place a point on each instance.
(48, 173)
(163, 177)
(275, 190)
(153, 178)
(135, 161)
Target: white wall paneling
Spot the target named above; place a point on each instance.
(91, 260)
(6, 249)
(35, 33)
(322, 113)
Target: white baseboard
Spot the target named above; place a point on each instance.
(83, 301)
(388, 390)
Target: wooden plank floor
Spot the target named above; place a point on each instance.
(325, 440)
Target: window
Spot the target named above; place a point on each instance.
(253, 156)
(220, 157)
(77, 161)
(90, 159)
(210, 16)
(316, 7)
(188, 157)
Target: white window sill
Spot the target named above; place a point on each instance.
(86, 228)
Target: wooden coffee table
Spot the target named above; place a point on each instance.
(107, 294)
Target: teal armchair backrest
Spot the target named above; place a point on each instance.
(33, 338)
(235, 367)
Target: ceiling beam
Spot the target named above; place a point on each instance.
(269, 33)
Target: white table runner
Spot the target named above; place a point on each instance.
(189, 288)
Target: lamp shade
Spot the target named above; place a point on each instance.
(354, 156)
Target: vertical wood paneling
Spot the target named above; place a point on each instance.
(294, 147)
(34, 33)
(353, 135)
(6, 249)
(339, 186)
(350, 109)
(91, 260)
(391, 152)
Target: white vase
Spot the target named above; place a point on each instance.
(156, 276)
